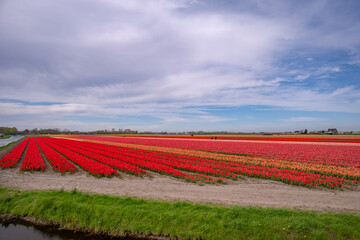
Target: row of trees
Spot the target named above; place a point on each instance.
(36, 131)
(114, 131)
(8, 130)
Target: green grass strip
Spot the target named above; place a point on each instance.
(121, 215)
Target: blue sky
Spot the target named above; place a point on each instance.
(172, 65)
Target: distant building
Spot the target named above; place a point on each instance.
(332, 131)
(297, 132)
(1, 135)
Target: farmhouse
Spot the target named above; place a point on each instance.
(332, 131)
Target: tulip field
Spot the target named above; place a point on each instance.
(201, 161)
(339, 155)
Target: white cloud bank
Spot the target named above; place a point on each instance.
(158, 58)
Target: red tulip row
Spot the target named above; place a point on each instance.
(213, 167)
(134, 161)
(293, 176)
(177, 162)
(125, 152)
(338, 155)
(57, 162)
(121, 166)
(13, 157)
(93, 167)
(199, 177)
(162, 169)
(287, 176)
(145, 155)
(33, 160)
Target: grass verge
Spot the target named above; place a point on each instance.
(121, 216)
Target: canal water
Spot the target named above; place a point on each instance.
(25, 231)
(11, 139)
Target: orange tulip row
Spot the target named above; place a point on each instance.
(300, 166)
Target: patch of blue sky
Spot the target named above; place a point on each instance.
(323, 72)
(117, 120)
(261, 114)
(2, 100)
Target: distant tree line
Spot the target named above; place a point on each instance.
(36, 131)
(114, 131)
(8, 130)
(208, 133)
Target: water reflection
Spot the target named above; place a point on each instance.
(11, 139)
(22, 230)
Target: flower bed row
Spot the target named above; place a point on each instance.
(217, 168)
(304, 138)
(57, 162)
(295, 177)
(125, 155)
(132, 153)
(100, 160)
(162, 169)
(339, 171)
(12, 158)
(33, 160)
(121, 166)
(93, 167)
(337, 155)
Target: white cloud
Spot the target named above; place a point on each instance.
(341, 91)
(302, 77)
(159, 58)
(303, 119)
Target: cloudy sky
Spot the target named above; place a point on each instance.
(173, 65)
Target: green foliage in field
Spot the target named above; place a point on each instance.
(123, 215)
(8, 130)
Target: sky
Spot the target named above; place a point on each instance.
(173, 65)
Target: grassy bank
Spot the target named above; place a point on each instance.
(124, 215)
